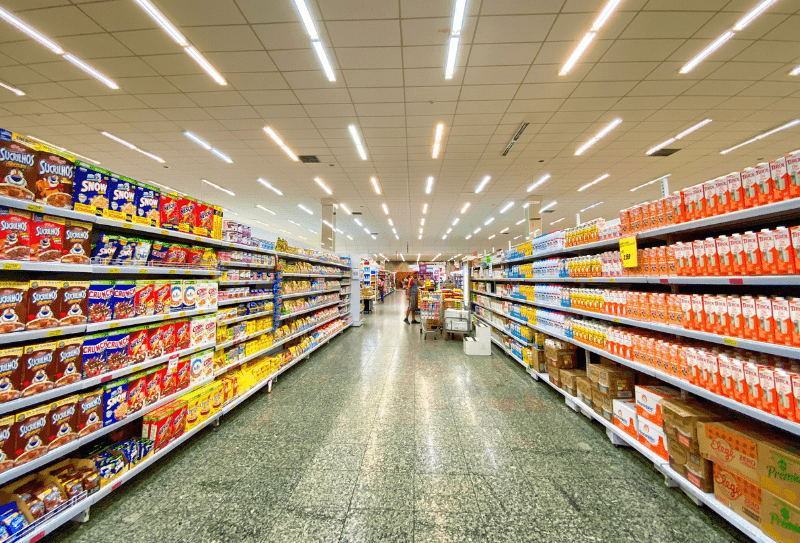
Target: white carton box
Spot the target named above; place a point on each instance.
(625, 417)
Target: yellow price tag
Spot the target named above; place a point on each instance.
(173, 272)
(12, 266)
(628, 252)
(127, 225)
(54, 333)
(165, 232)
(112, 325)
(113, 270)
(729, 341)
(144, 270)
(135, 369)
(35, 208)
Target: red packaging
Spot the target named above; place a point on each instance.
(751, 375)
(796, 394)
(624, 222)
(176, 254)
(767, 252)
(183, 373)
(672, 270)
(735, 191)
(669, 212)
(712, 377)
(749, 318)
(14, 234)
(733, 383)
(155, 380)
(780, 179)
(712, 259)
(724, 256)
(187, 214)
(752, 254)
(782, 319)
(793, 171)
(205, 219)
(183, 335)
(698, 313)
(168, 337)
(794, 315)
(700, 259)
(735, 321)
(143, 299)
(170, 218)
(699, 201)
(750, 188)
(46, 238)
(766, 189)
(769, 396)
(137, 392)
(765, 321)
(169, 384)
(738, 257)
(685, 304)
(785, 401)
(721, 310)
(723, 195)
(162, 297)
(678, 207)
(138, 344)
(194, 256)
(711, 201)
(710, 324)
(786, 263)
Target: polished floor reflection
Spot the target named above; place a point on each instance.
(384, 437)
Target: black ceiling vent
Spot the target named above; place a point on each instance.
(665, 152)
(308, 158)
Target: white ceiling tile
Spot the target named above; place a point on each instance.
(488, 92)
(282, 35)
(667, 24)
(373, 78)
(224, 38)
(503, 54)
(203, 13)
(241, 61)
(331, 110)
(389, 109)
(482, 106)
(364, 33)
(376, 95)
(61, 21)
(256, 81)
(148, 42)
(494, 75)
(362, 9)
(630, 71)
(516, 28)
(545, 90)
(312, 79)
(364, 58)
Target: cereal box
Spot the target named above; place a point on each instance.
(55, 175)
(90, 193)
(187, 214)
(183, 335)
(115, 401)
(183, 374)
(122, 199)
(123, 300)
(29, 435)
(63, 422)
(117, 344)
(46, 238)
(205, 219)
(69, 361)
(170, 214)
(38, 368)
(137, 392)
(17, 166)
(143, 300)
(147, 205)
(93, 352)
(14, 233)
(90, 412)
(162, 297)
(43, 309)
(176, 296)
(99, 301)
(155, 380)
(10, 374)
(138, 343)
(73, 303)
(168, 337)
(77, 244)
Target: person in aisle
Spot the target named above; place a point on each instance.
(411, 295)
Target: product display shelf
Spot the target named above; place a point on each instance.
(256, 298)
(148, 270)
(309, 259)
(290, 315)
(758, 346)
(735, 219)
(506, 315)
(245, 265)
(48, 333)
(493, 325)
(243, 338)
(22, 403)
(55, 267)
(310, 293)
(332, 276)
(28, 467)
(245, 317)
(755, 280)
(509, 353)
(245, 282)
(135, 321)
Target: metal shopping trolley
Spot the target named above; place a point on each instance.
(430, 305)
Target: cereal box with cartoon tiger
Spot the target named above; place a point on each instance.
(90, 191)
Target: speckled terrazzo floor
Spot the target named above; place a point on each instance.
(381, 437)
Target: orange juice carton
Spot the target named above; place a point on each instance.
(753, 380)
(652, 213)
(794, 325)
(673, 310)
(766, 188)
(678, 205)
(782, 318)
(793, 171)
(769, 395)
(737, 255)
(652, 437)
(724, 255)
(765, 321)
(750, 188)
(709, 313)
(712, 258)
(698, 201)
(786, 263)
(687, 195)
(768, 252)
(723, 195)
(785, 395)
(693, 365)
(624, 221)
(749, 318)
(625, 417)
(666, 210)
(752, 254)
(779, 177)
(700, 260)
(735, 191)
(710, 196)
(661, 260)
(739, 494)
(735, 323)
(680, 259)
(698, 321)
(648, 402)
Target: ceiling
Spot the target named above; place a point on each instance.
(389, 57)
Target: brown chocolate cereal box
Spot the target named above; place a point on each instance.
(13, 306)
(46, 238)
(90, 412)
(77, 242)
(15, 228)
(73, 303)
(6, 445)
(10, 374)
(29, 434)
(55, 174)
(63, 422)
(43, 310)
(38, 368)
(17, 166)
(69, 361)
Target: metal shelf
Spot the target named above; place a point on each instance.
(245, 282)
(50, 333)
(255, 298)
(326, 275)
(311, 293)
(151, 270)
(53, 267)
(243, 338)
(296, 313)
(245, 265)
(509, 353)
(246, 317)
(111, 325)
(503, 330)
(756, 280)
(310, 259)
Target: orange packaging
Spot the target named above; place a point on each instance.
(786, 263)
(749, 188)
(721, 310)
(724, 256)
(794, 316)
(712, 259)
(685, 303)
(688, 204)
(661, 260)
(673, 310)
(635, 219)
(656, 215)
(752, 255)
(709, 314)
(765, 321)
(691, 356)
(680, 262)
(723, 195)
(644, 223)
(767, 252)
(766, 188)
(785, 396)
(793, 173)
(653, 438)
(711, 378)
(737, 255)
(679, 207)
(625, 417)
(669, 257)
(751, 376)
(624, 221)
(700, 260)
(648, 402)
(794, 235)
(796, 394)
(735, 326)
(733, 384)
(698, 313)
(739, 494)
(783, 321)
(735, 191)
(749, 318)
(779, 177)
(666, 210)
(769, 396)
(658, 307)
(710, 207)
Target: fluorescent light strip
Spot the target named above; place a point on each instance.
(437, 139)
(716, 44)
(548, 206)
(596, 181)
(444, 236)
(375, 186)
(132, 147)
(519, 222)
(429, 185)
(504, 230)
(19, 92)
(506, 207)
(293, 222)
(482, 184)
(349, 237)
(326, 223)
(222, 155)
(226, 191)
(308, 22)
(367, 231)
(391, 222)
(476, 230)
(338, 231)
(358, 222)
(519, 236)
(693, 128)
(795, 71)
(402, 257)
(488, 221)
(455, 221)
(465, 208)
(420, 231)
(322, 184)
(62, 149)
(198, 141)
(357, 141)
(468, 236)
(418, 255)
(163, 22)
(590, 207)
(634, 189)
(762, 136)
(346, 209)
(525, 206)
(452, 54)
(449, 230)
(229, 211)
(422, 221)
(437, 256)
(577, 53)
(557, 221)
(270, 187)
(304, 208)
(425, 208)
(394, 230)
(597, 137)
(13, 20)
(492, 236)
(396, 236)
(312, 231)
(742, 23)
(659, 146)
(385, 208)
(605, 14)
(205, 65)
(538, 182)
(277, 139)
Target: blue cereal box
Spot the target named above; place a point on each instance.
(147, 205)
(122, 199)
(90, 192)
(115, 401)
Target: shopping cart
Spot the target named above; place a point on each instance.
(430, 305)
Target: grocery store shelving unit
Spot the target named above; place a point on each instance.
(745, 219)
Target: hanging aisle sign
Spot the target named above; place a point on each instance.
(628, 252)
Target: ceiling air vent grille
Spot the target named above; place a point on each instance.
(665, 152)
(308, 158)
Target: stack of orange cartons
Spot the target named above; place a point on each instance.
(650, 418)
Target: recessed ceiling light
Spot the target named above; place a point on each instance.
(519, 236)
(577, 53)
(269, 186)
(492, 236)
(229, 211)
(259, 206)
(634, 189)
(422, 221)
(506, 207)
(795, 71)
(420, 230)
(424, 208)
(396, 236)
(293, 222)
(482, 184)
(358, 222)
(468, 236)
(449, 230)
(679, 136)
(312, 231)
(277, 139)
(385, 208)
(391, 222)
(604, 14)
(557, 221)
(520, 222)
(590, 207)
(596, 181)
(548, 206)
(488, 221)
(163, 22)
(311, 28)
(226, 191)
(437, 139)
(133, 147)
(346, 209)
(394, 230)
(349, 237)
(504, 230)
(476, 230)
(465, 208)
(701, 56)
(357, 141)
(444, 236)
(597, 137)
(538, 182)
(304, 208)
(762, 136)
(322, 184)
(429, 185)
(12, 89)
(366, 230)
(326, 223)
(419, 237)
(207, 147)
(742, 23)
(455, 221)
(437, 256)
(13, 20)
(375, 186)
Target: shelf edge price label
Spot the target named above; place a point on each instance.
(172, 365)
(628, 252)
(35, 208)
(54, 333)
(12, 266)
(729, 341)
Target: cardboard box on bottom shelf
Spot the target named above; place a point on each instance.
(560, 354)
(652, 437)
(739, 494)
(625, 417)
(538, 361)
(569, 380)
(616, 382)
(584, 386)
(554, 375)
(780, 519)
(779, 468)
(648, 402)
(603, 405)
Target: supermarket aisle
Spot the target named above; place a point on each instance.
(381, 438)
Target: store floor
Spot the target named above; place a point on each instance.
(383, 437)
